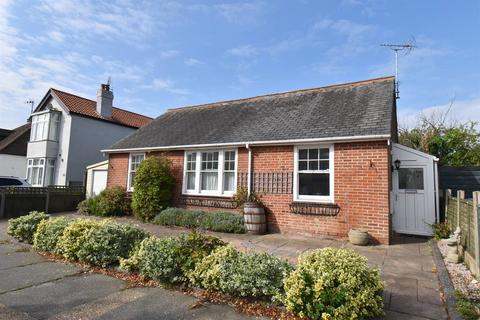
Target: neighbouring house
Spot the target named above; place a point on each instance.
(13, 151)
(68, 133)
(320, 158)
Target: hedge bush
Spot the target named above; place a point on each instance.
(74, 235)
(251, 274)
(23, 228)
(153, 187)
(333, 283)
(171, 259)
(49, 232)
(109, 202)
(107, 243)
(213, 221)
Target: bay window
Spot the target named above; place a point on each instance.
(133, 163)
(210, 172)
(313, 173)
(45, 126)
(41, 172)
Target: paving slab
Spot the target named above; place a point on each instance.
(45, 300)
(8, 247)
(26, 276)
(10, 314)
(410, 306)
(17, 259)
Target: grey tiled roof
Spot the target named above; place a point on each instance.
(354, 109)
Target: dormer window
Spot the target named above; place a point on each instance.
(45, 126)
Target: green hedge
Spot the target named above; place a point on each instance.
(109, 202)
(23, 228)
(49, 232)
(334, 283)
(213, 221)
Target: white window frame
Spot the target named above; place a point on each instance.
(129, 171)
(331, 171)
(46, 169)
(221, 163)
(48, 123)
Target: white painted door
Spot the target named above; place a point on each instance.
(412, 204)
(99, 181)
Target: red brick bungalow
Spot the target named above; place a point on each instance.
(320, 157)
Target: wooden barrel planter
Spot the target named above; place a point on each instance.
(255, 219)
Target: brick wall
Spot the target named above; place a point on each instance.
(362, 182)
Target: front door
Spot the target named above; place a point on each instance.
(412, 213)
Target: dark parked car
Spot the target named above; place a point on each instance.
(13, 182)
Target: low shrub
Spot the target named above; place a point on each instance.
(213, 221)
(105, 244)
(153, 187)
(23, 228)
(171, 259)
(132, 263)
(333, 283)
(74, 235)
(251, 274)
(110, 202)
(441, 230)
(468, 309)
(49, 232)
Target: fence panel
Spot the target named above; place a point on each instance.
(15, 202)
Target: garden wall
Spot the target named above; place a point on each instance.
(362, 182)
(465, 214)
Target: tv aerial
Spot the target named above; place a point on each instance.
(31, 103)
(404, 48)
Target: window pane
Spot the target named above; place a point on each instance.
(410, 178)
(209, 181)
(190, 180)
(302, 165)
(324, 165)
(324, 153)
(313, 165)
(313, 153)
(314, 184)
(228, 181)
(40, 176)
(303, 154)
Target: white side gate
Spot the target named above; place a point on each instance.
(414, 191)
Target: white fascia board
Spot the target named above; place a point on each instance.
(416, 152)
(255, 143)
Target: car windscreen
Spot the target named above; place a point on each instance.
(5, 182)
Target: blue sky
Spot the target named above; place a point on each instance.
(163, 54)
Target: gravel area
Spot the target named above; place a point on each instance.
(461, 277)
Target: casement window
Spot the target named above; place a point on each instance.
(211, 172)
(41, 171)
(133, 163)
(45, 126)
(313, 173)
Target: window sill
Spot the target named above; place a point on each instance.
(211, 195)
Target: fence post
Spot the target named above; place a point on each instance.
(460, 195)
(47, 200)
(447, 195)
(476, 231)
(3, 198)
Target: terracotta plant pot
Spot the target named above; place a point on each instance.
(255, 219)
(358, 237)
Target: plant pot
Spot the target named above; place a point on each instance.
(358, 237)
(255, 219)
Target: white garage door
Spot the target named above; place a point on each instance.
(99, 181)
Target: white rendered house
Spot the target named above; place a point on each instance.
(68, 132)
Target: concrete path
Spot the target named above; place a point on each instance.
(33, 288)
(412, 286)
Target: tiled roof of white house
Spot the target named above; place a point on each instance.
(364, 108)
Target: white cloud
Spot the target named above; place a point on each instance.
(167, 85)
(461, 111)
(190, 62)
(240, 12)
(243, 51)
(169, 54)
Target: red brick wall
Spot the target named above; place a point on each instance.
(361, 188)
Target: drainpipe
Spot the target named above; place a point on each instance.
(249, 173)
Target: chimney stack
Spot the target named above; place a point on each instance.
(104, 101)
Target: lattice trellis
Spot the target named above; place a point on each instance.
(268, 182)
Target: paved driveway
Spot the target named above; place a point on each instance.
(41, 289)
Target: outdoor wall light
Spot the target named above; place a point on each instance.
(397, 164)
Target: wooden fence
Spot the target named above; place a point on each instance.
(465, 214)
(16, 201)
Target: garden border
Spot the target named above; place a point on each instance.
(445, 282)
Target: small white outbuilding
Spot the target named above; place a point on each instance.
(414, 199)
(96, 178)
